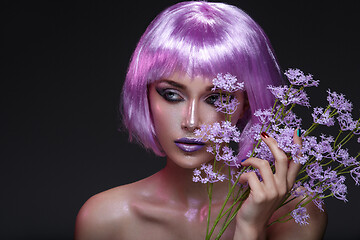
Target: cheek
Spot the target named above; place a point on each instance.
(208, 115)
(237, 114)
(165, 118)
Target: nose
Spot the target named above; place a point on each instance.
(191, 119)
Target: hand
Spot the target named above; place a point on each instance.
(267, 195)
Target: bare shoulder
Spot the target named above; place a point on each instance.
(291, 230)
(103, 214)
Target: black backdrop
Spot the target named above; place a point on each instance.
(63, 65)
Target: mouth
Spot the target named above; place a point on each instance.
(189, 145)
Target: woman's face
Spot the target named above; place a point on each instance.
(179, 105)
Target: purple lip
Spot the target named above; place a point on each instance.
(189, 145)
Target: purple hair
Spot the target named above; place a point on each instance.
(199, 39)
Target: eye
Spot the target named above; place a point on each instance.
(212, 98)
(169, 95)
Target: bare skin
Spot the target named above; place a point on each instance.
(169, 205)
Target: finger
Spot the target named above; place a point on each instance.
(264, 169)
(253, 181)
(281, 160)
(294, 168)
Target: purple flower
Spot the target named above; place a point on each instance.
(234, 175)
(339, 102)
(279, 92)
(218, 132)
(329, 176)
(230, 132)
(319, 150)
(339, 189)
(289, 96)
(355, 174)
(300, 215)
(297, 77)
(210, 175)
(300, 158)
(253, 132)
(319, 203)
(284, 137)
(322, 117)
(264, 116)
(197, 172)
(350, 161)
(327, 138)
(356, 131)
(227, 83)
(224, 107)
(307, 144)
(312, 189)
(227, 155)
(297, 190)
(291, 120)
(342, 156)
(315, 171)
(346, 122)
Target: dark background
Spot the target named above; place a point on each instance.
(62, 69)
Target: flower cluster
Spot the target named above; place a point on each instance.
(297, 77)
(325, 159)
(210, 175)
(300, 215)
(347, 123)
(322, 116)
(339, 102)
(227, 106)
(289, 96)
(218, 133)
(355, 174)
(227, 83)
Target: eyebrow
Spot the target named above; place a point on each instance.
(209, 88)
(181, 86)
(172, 83)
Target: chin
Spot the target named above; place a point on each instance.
(191, 161)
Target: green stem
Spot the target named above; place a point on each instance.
(210, 188)
(337, 137)
(224, 204)
(232, 216)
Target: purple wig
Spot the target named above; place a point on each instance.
(199, 39)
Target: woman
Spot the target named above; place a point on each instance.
(166, 97)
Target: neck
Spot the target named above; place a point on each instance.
(178, 181)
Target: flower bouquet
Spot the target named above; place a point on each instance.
(324, 159)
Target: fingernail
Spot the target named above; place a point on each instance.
(243, 160)
(298, 132)
(264, 135)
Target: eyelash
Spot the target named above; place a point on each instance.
(212, 99)
(165, 94)
(217, 95)
(166, 91)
